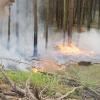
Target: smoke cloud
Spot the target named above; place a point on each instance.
(88, 40)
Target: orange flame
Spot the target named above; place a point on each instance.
(72, 49)
(34, 70)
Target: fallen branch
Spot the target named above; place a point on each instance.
(93, 93)
(69, 93)
(41, 92)
(15, 88)
(29, 94)
(10, 93)
(3, 97)
(77, 84)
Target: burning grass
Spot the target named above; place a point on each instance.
(73, 50)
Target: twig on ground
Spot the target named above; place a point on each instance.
(10, 93)
(29, 94)
(69, 93)
(93, 93)
(3, 97)
(41, 92)
(16, 89)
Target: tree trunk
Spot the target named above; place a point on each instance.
(17, 23)
(35, 52)
(9, 28)
(46, 22)
(1, 30)
(70, 21)
(64, 20)
(99, 15)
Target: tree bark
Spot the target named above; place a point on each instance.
(46, 22)
(17, 23)
(35, 52)
(9, 28)
(70, 21)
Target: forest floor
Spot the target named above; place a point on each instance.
(71, 82)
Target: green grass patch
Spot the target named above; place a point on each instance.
(87, 75)
(39, 80)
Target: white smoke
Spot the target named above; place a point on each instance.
(90, 40)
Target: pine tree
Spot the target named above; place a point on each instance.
(17, 23)
(70, 21)
(9, 28)
(46, 22)
(35, 52)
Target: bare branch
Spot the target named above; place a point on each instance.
(41, 92)
(16, 89)
(29, 94)
(3, 97)
(69, 93)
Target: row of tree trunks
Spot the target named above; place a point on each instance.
(64, 14)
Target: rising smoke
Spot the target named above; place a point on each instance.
(88, 40)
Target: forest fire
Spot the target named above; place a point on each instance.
(73, 50)
(34, 70)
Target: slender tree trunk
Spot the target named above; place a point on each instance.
(1, 30)
(94, 8)
(9, 28)
(99, 15)
(46, 23)
(89, 19)
(64, 20)
(17, 23)
(70, 21)
(35, 52)
(79, 7)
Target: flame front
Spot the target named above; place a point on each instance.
(34, 70)
(72, 50)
